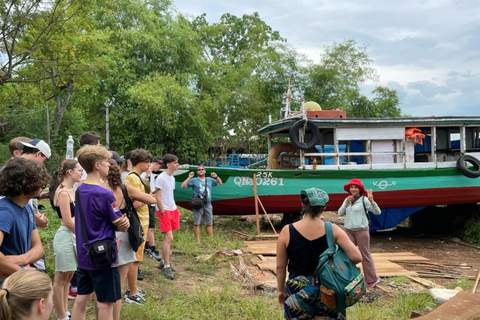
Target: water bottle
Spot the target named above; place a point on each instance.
(69, 154)
(314, 167)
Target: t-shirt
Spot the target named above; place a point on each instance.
(166, 183)
(199, 187)
(17, 223)
(134, 181)
(100, 211)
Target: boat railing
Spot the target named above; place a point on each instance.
(385, 166)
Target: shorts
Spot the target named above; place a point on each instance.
(139, 253)
(301, 300)
(105, 283)
(170, 221)
(206, 212)
(151, 217)
(64, 251)
(125, 251)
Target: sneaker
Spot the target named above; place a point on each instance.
(373, 284)
(168, 273)
(140, 275)
(140, 292)
(138, 299)
(147, 251)
(72, 294)
(162, 265)
(155, 255)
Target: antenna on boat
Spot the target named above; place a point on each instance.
(285, 112)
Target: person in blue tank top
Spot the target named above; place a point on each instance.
(298, 247)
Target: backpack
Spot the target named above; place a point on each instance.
(340, 282)
(366, 211)
(135, 231)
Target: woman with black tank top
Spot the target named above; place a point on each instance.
(62, 199)
(298, 247)
(126, 255)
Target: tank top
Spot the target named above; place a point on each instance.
(303, 253)
(72, 208)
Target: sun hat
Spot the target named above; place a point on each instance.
(357, 183)
(118, 158)
(316, 197)
(38, 144)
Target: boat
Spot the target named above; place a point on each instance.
(409, 163)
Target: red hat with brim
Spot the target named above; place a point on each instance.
(357, 183)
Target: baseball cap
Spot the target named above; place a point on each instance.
(38, 144)
(115, 156)
(158, 160)
(201, 166)
(127, 155)
(316, 197)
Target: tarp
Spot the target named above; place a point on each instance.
(389, 218)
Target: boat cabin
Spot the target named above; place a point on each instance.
(368, 143)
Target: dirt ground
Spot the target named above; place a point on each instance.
(456, 257)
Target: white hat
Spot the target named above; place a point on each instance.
(38, 144)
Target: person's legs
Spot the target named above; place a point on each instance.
(105, 310)
(208, 219)
(132, 277)
(61, 284)
(363, 243)
(351, 236)
(197, 218)
(108, 291)
(123, 274)
(84, 294)
(167, 242)
(196, 232)
(79, 311)
(209, 229)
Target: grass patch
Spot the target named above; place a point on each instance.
(206, 289)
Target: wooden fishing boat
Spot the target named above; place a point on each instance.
(409, 163)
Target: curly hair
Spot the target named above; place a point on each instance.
(58, 176)
(20, 290)
(114, 177)
(22, 177)
(140, 155)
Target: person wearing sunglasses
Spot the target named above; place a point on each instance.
(202, 186)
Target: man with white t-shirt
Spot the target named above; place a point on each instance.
(168, 213)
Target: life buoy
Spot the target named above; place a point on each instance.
(294, 134)
(275, 152)
(461, 166)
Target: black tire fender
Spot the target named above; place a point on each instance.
(294, 134)
(462, 167)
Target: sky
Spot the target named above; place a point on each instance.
(428, 50)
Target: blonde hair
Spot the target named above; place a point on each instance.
(12, 145)
(20, 290)
(88, 155)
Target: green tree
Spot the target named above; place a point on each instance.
(335, 83)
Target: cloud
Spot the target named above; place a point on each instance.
(426, 50)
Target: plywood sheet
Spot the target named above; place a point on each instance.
(384, 262)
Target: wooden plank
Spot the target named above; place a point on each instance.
(463, 306)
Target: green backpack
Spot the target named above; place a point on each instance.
(340, 282)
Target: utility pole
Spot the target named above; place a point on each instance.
(107, 124)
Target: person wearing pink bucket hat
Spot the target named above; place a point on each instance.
(355, 208)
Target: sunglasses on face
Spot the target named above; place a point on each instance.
(200, 169)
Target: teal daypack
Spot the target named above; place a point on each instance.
(340, 282)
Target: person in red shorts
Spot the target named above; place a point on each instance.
(168, 213)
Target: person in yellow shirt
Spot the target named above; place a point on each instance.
(140, 160)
